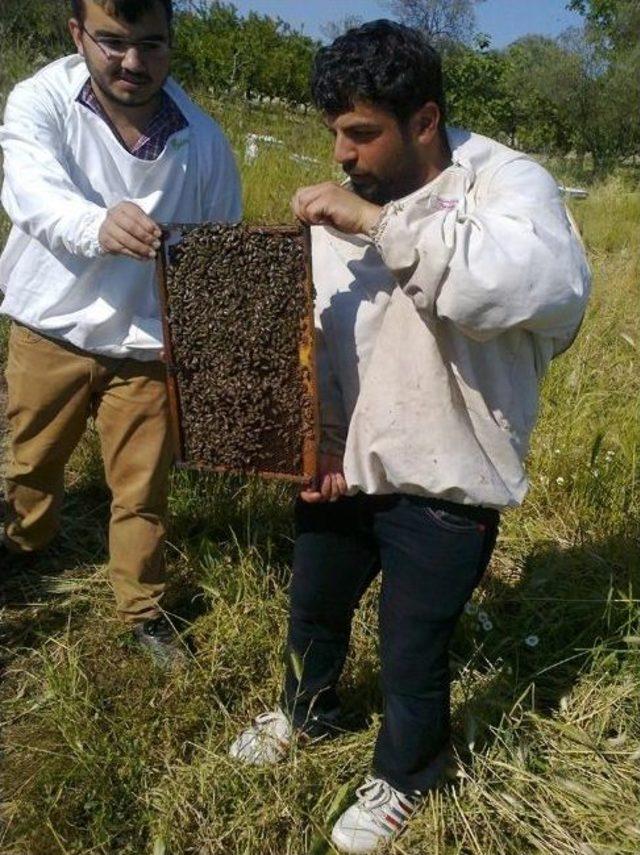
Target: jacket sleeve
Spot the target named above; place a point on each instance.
(38, 194)
(513, 260)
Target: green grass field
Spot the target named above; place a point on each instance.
(103, 754)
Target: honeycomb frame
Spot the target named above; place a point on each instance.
(178, 392)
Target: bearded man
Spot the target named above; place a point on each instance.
(448, 274)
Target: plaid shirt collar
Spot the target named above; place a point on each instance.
(167, 121)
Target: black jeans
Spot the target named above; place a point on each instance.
(432, 555)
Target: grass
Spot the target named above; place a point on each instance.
(102, 754)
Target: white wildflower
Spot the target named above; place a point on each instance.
(560, 480)
(532, 641)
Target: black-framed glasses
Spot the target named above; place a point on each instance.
(114, 48)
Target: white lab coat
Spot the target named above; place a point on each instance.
(63, 168)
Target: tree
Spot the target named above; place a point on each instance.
(612, 38)
(535, 120)
(333, 29)
(217, 49)
(474, 83)
(619, 20)
(444, 22)
(594, 99)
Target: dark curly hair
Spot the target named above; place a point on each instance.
(382, 63)
(129, 10)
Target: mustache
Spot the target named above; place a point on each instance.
(357, 175)
(133, 78)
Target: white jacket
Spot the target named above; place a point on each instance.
(432, 342)
(63, 168)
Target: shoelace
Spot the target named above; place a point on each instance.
(261, 729)
(375, 792)
(266, 718)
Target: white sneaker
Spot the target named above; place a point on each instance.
(266, 742)
(380, 813)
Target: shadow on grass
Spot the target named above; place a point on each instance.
(36, 588)
(568, 605)
(573, 599)
(220, 510)
(210, 515)
(547, 626)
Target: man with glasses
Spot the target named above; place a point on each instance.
(99, 148)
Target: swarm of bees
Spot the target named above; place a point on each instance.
(238, 312)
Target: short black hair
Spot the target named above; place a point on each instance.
(128, 10)
(383, 63)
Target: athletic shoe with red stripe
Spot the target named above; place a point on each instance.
(380, 813)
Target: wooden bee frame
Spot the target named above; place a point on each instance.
(301, 468)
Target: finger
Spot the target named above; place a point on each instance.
(135, 213)
(138, 229)
(338, 487)
(124, 241)
(325, 488)
(299, 203)
(311, 497)
(312, 213)
(128, 254)
(114, 247)
(341, 484)
(306, 196)
(335, 495)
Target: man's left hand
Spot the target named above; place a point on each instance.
(330, 483)
(331, 205)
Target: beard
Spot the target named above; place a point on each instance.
(375, 191)
(104, 82)
(387, 186)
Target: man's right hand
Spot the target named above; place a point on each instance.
(127, 230)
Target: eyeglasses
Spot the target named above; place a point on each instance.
(114, 48)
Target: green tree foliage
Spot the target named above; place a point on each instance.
(254, 55)
(535, 121)
(475, 87)
(612, 36)
(579, 93)
(618, 20)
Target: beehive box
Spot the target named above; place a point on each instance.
(238, 327)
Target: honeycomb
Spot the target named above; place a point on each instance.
(237, 306)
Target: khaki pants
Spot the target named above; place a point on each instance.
(53, 389)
